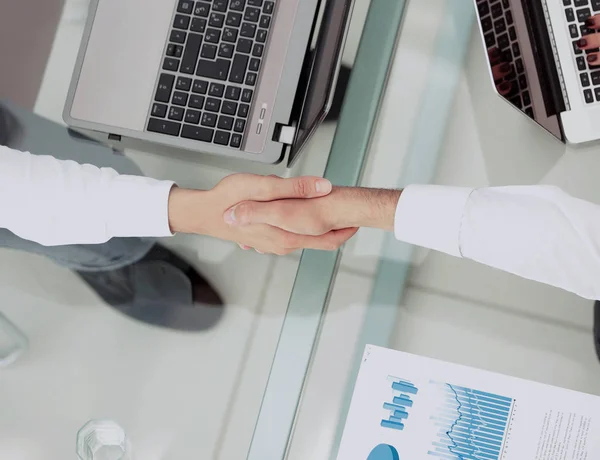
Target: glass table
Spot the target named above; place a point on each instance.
(273, 379)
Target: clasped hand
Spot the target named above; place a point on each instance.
(267, 213)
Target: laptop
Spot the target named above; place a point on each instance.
(247, 79)
(550, 80)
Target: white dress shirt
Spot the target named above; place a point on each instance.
(56, 202)
(537, 232)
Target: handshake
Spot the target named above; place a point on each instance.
(279, 216)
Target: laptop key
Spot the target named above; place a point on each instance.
(252, 14)
(574, 31)
(490, 39)
(570, 14)
(192, 116)
(255, 3)
(218, 69)
(265, 21)
(180, 98)
(576, 48)
(589, 97)
(261, 37)
(200, 87)
(595, 77)
(526, 98)
(499, 26)
(198, 25)
(220, 5)
(185, 6)
(236, 141)
(213, 105)
(483, 8)
(585, 79)
(579, 3)
(244, 45)
(174, 50)
(268, 8)
(487, 24)
(258, 49)
(237, 5)
(209, 119)
(596, 5)
(248, 30)
(196, 102)
(583, 14)
(243, 110)
(226, 50)
(238, 68)
(254, 65)
(597, 93)
(503, 41)
(165, 86)
(171, 64)
(230, 35)
(202, 9)
(519, 66)
(178, 36)
(213, 35)
(159, 110)
(197, 133)
(529, 112)
(216, 90)
(581, 63)
(229, 108)
(209, 51)
(190, 55)
(234, 19)
(239, 125)
(233, 93)
(247, 95)
(251, 79)
(222, 138)
(225, 122)
(216, 20)
(163, 127)
(176, 113)
(497, 10)
(509, 18)
(516, 50)
(181, 22)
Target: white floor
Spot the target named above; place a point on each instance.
(183, 397)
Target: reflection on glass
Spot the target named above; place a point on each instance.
(102, 440)
(13, 343)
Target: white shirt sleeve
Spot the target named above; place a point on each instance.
(537, 232)
(56, 202)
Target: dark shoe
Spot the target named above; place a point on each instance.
(161, 289)
(340, 94)
(597, 327)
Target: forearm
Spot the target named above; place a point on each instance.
(364, 207)
(57, 202)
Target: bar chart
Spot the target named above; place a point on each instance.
(400, 403)
(471, 424)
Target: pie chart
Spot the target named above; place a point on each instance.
(384, 452)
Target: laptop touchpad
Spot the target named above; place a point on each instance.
(122, 62)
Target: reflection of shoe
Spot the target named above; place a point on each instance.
(597, 327)
(161, 289)
(340, 93)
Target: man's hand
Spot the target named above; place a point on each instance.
(343, 208)
(201, 212)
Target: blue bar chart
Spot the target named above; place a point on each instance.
(471, 424)
(401, 401)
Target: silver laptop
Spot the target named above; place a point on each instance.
(249, 79)
(549, 79)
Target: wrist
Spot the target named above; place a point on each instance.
(184, 215)
(365, 207)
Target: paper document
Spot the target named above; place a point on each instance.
(407, 407)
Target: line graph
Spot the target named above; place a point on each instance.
(472, 424)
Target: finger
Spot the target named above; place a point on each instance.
(501, 70)
(494, 55)
(505, 88)
(244, 247)
(589, 41)
(276, 188)
(593, 22)
(593, 59)
(328, 242)
(260, 252)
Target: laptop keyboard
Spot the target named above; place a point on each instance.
(210, 70)
(576, 12)
(499, 32)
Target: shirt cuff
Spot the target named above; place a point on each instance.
(140, 207)
(430, 216)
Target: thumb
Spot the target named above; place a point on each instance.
(255, 212)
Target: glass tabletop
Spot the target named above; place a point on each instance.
(439, 121)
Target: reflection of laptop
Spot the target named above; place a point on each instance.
(227, 77)
(551, 80)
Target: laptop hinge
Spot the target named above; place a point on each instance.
(284, 134)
